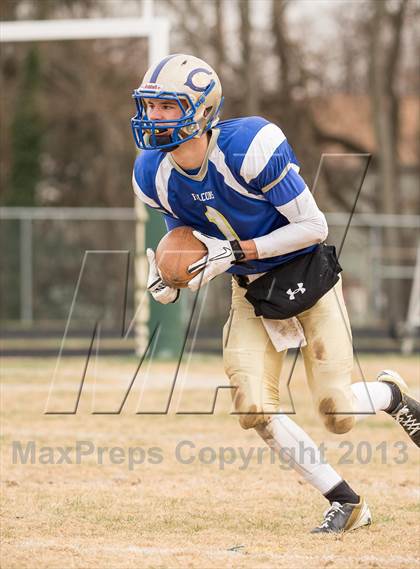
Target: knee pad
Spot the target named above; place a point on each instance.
(336, 411)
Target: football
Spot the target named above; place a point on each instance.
(176, 251)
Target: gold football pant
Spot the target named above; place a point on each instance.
(253, 365)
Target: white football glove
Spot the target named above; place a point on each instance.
(160, 291)
(219, 259)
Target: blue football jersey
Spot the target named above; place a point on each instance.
(249, 172)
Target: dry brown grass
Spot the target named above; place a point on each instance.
(172, 515)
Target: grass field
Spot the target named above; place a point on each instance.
(147, 507)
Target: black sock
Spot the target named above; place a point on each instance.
(396, 397)
(343, 494)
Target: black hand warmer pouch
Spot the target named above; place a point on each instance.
(296, 285)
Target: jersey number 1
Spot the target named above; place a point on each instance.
(221, 222)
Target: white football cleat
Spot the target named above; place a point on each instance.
(344, 517)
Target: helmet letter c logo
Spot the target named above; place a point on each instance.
(189, 82)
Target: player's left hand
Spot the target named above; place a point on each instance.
(160, 291)
(219, 259)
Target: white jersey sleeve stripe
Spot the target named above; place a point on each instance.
(290, 166)
(161, 181)
(218, 159)
(261, 150)
(142, 196)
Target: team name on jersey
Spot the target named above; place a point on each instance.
(203, 197)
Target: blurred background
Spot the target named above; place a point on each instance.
(341, 80)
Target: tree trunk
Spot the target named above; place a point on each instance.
(282, 48)
(248, 67)
(385, 50)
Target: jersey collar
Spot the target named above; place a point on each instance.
(199, 177)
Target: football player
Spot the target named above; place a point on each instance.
(237, 183)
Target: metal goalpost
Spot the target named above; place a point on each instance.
(156, 30)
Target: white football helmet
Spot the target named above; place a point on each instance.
(194, 85)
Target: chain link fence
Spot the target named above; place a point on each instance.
(43, 251)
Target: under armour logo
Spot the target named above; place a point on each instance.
(292, 293)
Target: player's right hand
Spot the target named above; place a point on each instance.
(160, 291)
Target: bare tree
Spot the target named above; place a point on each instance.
(248, 69)
(386, 30)
(283, 49)
(386, 25)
